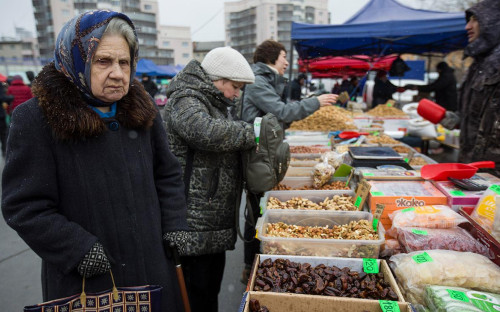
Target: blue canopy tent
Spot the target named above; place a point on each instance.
(382, 27)
(145, 66)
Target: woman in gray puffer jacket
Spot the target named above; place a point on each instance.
(208, 143)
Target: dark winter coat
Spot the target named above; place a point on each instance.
(264, 96)
(198, 124)
(20, 92)
(72, 178)
(479, 94)
(296, 92)
(445, 89)
(382, 91)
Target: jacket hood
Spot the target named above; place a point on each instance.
(487, 13)
(70, 117)
(192, 80)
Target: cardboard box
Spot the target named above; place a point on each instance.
(287, 302)
(402, 194)
(481, 235)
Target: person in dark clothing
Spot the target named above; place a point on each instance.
(353, 88)
(479, 94)
(149, 85)
(297, 85)
(383, 89)
(5, 100)
(445, 87)
(90, 183)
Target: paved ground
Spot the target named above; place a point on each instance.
(20, 268)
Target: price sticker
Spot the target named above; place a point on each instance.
(370, 265)
(457, 193)
(256, 234)
(389, 306)
(406, 159)
(375, 224)
(419, 232)
(377, 193)
(389, 104)
(422, 258)
(458, 295)
(495, 188)
(408, 209)
(358, 201)
(369, 174)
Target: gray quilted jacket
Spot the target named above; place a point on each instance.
(198, 124)
(479, 95)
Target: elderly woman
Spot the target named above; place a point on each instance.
(208, 142)
(89, 182)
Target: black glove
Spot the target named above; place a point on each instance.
(180, 239)
(95, 262)
(450, 120)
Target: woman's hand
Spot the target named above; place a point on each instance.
(327, 99)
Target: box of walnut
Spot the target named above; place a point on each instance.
(319, 301)
(319, 233)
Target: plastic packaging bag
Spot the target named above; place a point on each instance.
(333, 159)
(436, 216)
(458, 299)
(458, 239)
(443, 267)
(484, 212)
(495, 232)
(322, 174)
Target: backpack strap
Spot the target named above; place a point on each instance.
(188, 170)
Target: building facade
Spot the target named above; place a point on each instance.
(201, 48)
(177, 40)
(249, 22)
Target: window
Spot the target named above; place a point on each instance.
(185, 55)
(166, 43)
(185, 43)
(148, 7)
(12, 46)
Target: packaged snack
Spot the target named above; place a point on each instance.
(435, 216)
(458, 299)
(443, 267)
(333, 158)
(458, 239)
(495, 232)
(484, 212)
(322, 174)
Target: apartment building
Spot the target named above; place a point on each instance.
(201, 48)
(249, 22)
(176, 39)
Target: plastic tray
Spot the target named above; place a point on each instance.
(318, 247)
(426, 158)
(312, 195)
(299, 172)
(297, 182)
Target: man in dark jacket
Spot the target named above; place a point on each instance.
(297, 85)
(149, 85)
(383, 89)
(445, 87)
(479, 94)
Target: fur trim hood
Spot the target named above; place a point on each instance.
(71, 118)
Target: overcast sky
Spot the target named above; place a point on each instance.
(205, 17)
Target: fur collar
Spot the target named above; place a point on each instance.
(71, 119)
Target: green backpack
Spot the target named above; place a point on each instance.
(265, 165)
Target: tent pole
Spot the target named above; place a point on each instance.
(290, 68)
(428, 67)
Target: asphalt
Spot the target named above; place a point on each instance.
(20, 282)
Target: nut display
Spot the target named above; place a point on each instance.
(304, 149)
(418, 161)
(383, 139)
(358, 230)
(301, 278)
(386, 111)
(255, 306)
(326, 118)
(338, 202)
(335, 185)
(401, 149)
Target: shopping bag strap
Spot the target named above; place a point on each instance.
(83, 296)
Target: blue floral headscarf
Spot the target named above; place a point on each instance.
(77, 43)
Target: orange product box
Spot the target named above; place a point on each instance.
(397, 195)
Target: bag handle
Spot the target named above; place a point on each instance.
(83, 296)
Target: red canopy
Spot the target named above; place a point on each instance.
(3, 78)
(356, 65)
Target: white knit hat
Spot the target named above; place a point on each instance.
(229, 64)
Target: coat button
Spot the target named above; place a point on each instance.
(113, 126)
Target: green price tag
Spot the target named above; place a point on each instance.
(406, 160)
(358, 201)
(458, 295)
(376, 133)
(389, 105)
(375, 224)
(377, 193)
(457, 193)
(408, 209)
(419, 232)
(370, 265)
(495, 188)
(369, 174)
(260, 210)
(389, 306)
(422, 258)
